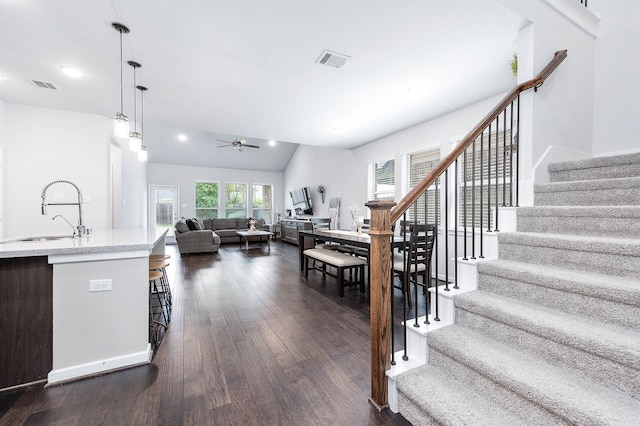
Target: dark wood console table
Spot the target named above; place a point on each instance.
(289, 229)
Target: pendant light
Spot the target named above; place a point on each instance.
(135, 138)
(121, 122)
(143, 154)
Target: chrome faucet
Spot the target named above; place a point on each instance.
(81, 228)
(65, 219)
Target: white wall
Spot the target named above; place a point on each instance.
(42, 145)
(186, 176)
(133, 213)
(616, 126)
(560, 114)
(337, 170)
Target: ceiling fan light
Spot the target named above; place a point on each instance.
(121, 126)
(135, 141)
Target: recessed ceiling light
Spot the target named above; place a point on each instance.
(182, 137)
(70, 71)
(272, 142)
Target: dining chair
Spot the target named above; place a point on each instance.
(413, 264)
(323, 223)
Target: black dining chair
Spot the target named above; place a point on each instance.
(413, 264)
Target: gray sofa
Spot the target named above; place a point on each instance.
(205, 236)
(226, 228)
(194, 238)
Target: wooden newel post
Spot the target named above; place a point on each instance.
(380, 305)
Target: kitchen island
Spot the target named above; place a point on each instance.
(74, 307)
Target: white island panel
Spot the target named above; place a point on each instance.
(97, 331)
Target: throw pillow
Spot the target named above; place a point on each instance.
(192, 226)
(182, 226)
(198, 223)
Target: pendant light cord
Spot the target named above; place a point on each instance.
(142, 111)
(135, 110)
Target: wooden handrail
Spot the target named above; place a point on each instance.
(445, 163)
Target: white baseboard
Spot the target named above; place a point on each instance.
(101, 366)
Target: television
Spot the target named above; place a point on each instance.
(301, 199)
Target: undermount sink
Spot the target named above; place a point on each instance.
(39, 239)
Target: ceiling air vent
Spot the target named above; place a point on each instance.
(41, 84)
(332, 59)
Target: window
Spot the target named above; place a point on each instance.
(236, 200)
(482, 184)
(382, 180)
(418, 165)
(263, 202)
(207, 200)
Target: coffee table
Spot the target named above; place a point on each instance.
(246, 234)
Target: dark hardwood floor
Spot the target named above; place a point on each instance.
(251, 342)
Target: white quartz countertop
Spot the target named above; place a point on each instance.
(100, 241)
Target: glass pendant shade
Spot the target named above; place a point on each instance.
(143, 154)
(135, 141)
(121, 126)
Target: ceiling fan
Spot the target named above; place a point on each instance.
(238, 144)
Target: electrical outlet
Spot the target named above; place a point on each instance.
(100, 285)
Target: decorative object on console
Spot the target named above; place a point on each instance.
(321, 191)
(334, 212)
(354, 209)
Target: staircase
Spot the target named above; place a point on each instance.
(551, 336)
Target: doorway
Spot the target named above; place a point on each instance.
(164, 209)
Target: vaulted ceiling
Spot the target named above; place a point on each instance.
(248, 68)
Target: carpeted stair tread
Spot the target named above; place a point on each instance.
(602, 255)
(619, 289)
(587, 243)
(608, 221)
(596, 168)
(594, 212)
(589, 185)
(454, 404)
(616, 343)
(569, 395)
(616, 191)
